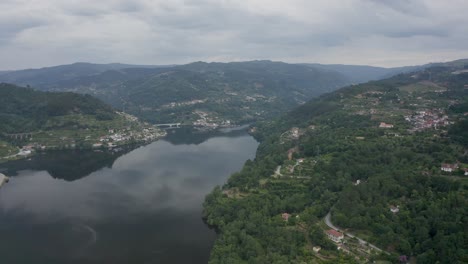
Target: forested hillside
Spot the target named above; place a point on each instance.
(50, 76)
(202, 94)
(35, 120)
(25, 110)
(387, 159)
(206, 94)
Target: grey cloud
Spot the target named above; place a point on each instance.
(180, 31)
(404, 6)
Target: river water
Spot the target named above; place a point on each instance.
(138, 205)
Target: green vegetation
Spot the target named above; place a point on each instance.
(35, 120)
(210, 93)
(235, 92)
(25, 110)
(357, 153)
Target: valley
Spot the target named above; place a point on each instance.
(202, 94)
(340, 178)
(234, 132)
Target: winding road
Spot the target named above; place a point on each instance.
(328, 222)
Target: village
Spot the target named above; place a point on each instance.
(185, 103)
(127, 130)
(427, 119)
(206, 120)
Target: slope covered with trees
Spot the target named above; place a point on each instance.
(25, 110)
(198, 93)
(35, 120)
(371, 155)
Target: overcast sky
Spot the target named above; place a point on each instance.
(37, 33)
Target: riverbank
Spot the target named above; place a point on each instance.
(56, 141)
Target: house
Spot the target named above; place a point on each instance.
(295, 133)
(316, 249)
(335, 236)
(357, 182)
(466, 171)
(449, 167)
(24, 152)
(394, 209)
(285, 216)
(385, 125)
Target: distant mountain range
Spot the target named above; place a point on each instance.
(208, 94)
(44, 77)
(361, 74)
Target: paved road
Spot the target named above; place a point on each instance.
(330, 224)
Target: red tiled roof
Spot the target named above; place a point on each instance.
(451, 166)
(334, 233)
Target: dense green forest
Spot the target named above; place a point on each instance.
(32, 121)
(239, 92)
(369, 154)
(213, 93)
(26, 110)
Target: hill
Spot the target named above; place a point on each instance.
(24, 109)
(362, 73)
(205, 94)
(48, 76)
(386, 158)
(47, 120)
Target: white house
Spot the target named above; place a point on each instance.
(394, 209)
(449, 167)
(385, 125)
(335, 236)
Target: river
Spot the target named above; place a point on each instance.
(138, 205)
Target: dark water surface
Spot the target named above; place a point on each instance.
(134, 206)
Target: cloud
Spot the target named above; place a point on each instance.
(48, 32)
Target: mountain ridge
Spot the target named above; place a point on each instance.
(206, 94)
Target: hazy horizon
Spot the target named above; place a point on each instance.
(35, 34)
(169, 65)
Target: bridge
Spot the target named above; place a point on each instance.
(169, 125)
(20, 136)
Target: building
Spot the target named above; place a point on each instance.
(466, 171)
(316, 249)
(385, 125)
(285, 216)
(449, 167)
(295, 133)
(335, 236)
(394, 209)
